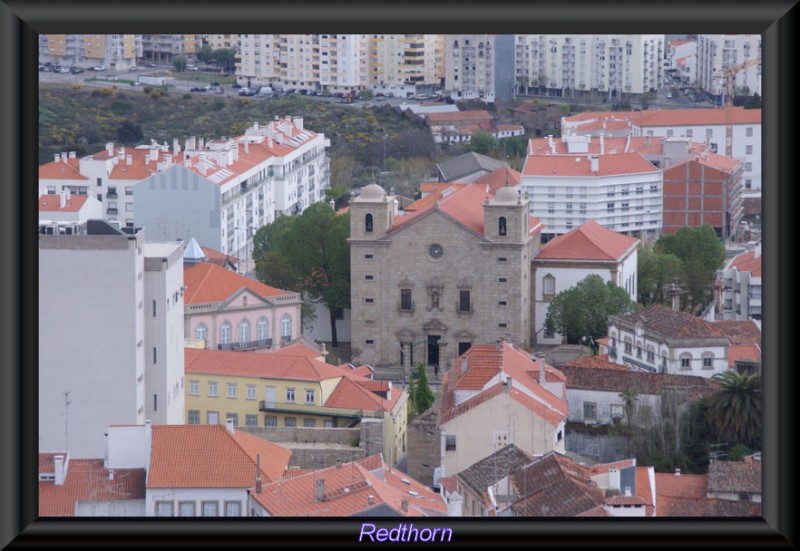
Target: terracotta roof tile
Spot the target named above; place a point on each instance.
(207, 282)
(589, 241)
(743, 353)
(684, 485)
(494, 468)
(499, 178)
(208, 456)
(52, 203)
(554, 166)
(595, 362)
(353, 392)
(668, 323)
(740, 331)
(696, 117)
(217, 257)
(747, 262)
(275, 365)
(615, 380)
(60, 170)
(644, 490)
(87, 480)
(734, 476)
(646, 145)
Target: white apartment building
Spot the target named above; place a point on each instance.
(403, 63)
(612, 64)
(92, 337)
(114, 51)
(682, 58)
(164, 311)
(740, 298)
(164, 48)
(620, 191)
(709, 126)
(470, 66)
(715, 51)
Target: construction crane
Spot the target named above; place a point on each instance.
(729, 74)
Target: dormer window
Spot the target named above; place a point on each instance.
(501, 226)
(368, 223)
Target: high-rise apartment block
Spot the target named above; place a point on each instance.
(114, 51)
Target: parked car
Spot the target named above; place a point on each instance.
(134, 68)
(197, 89)
(236, 86)
(99, 68)
(64, 70)
(151, 64)
(215, 84)
(75, 70)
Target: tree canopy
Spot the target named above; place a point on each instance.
(735, 409)
(482, 142)
(583, 310)
(309, 254)
(655, 272)
(701, 253)
(420, 395)
(180, 63)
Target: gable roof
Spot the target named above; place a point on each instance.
(747, 262)
(669, 323)
(580, 166)
(499, 178)
(273, 365)
(351, 489)
(696, 117)
(734, 476)
(465, 205)
(86, 480)
(595, 362)
(494, 468)
(52, 203)
(644, 382)
(63, 169)
(589, 241)
(207, 282)
(740, 331)
(208, 456)
(466, 164)
(352, 393)
(645, 488)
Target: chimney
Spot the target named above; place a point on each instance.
(64, 157)
(72, 155)
(57, 158)
(389, 391)
(371, 499)
(509, 383)
(62, 199)
(298, 122)
(627, 143)
(60, 469)
(110, 148)
(229, 425)
(594, 163)
(129, 160)
(111, 474)
(176, 148)
(201, 143)
(258, 473)
(677, 471)
(404, 505)
(541, 373)
(602, 145)
(320, 489)
(338, 463)
(188, 144)
(269, 142)
(246, 147)
(614, 478)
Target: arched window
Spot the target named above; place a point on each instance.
(201, 332)
(225, 332)
(549, 285)
(286, 328)
(261, 329)
(368, 223)
(501, 225)
(686, 360)
(708, 360)
(244, 331)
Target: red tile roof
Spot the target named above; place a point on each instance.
(644, 382)
(740, 331)
(217, 257)
(743, 352)
(459, 117)
(697, 117)
(87, 480)
(747, 262)
(52, 203)
(646, 145)
(244, 364)
(350, 489)
(464, 205)
(357, 392)
(207, 282)
(684, 485)
(668, 323)
(555, 166)
(644, 490)
(208, 456)
(602, 468)
(590, 241)
(596, 362)
(60, 170)
(499, 178)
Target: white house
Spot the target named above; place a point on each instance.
(566, 260)
(661, 340)
(65, 207)
(740, 298)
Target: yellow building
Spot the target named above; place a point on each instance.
(290, 387)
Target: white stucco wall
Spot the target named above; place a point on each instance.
(196, 496)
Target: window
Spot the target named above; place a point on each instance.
(686, 361)
(502, 259)
(286, 328)
(233, 417)
(651, 355)
(748, 149)
(450, 442)
(369, 277)
(309, 396)
(154, 308)
(186, 508)
(210, 508)
(628, 345)
(708, 361)
(163, 508)
(368, 223)
(709, 133)
(590, 411)
(290, 395)
(231, 390)
(194, 388)
(638, 351)
(251, 392)
(689, 133)
(194, 417)
(225, 333)
(213, 417)
(155, 355)
(369, 300)
(270, 421)
(405, 300)
(244, 331)
(502, 303)
(549, 333)
(368, 257)
(669, 133)
(748, 131)
(549, 285)
(251, 420)
(212, 389)
(233, 508)
(309, 423)
(464, 301)
(502, 279)
(290, 422)
(201, 332)
(501, 225)
(261, 329)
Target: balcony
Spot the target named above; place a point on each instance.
(248, 345)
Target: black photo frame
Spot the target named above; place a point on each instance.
(21, 21)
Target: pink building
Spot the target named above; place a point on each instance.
(233, 312)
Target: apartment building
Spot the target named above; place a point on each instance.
(125, 296)
(479, 66)
(740, 298)
(682, 60)
(113, 51)
(164, 48)
(65, 207)
(405, 63)
(567, 65)
(716, 51)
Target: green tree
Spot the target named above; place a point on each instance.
(225, 57)
(583, 310)
(308, 253)
(482, 142)
(655, 272)
(702, 254)
(129, 133)
(735, 409)
(420, 395)
(180, 63)
(366, 94)
(204, 54)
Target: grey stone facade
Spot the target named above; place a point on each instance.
(433, 284)
(424, 443)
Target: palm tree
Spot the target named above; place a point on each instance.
(735, 409)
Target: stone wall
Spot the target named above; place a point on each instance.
(599, 447)
(423, 446)
(341, 436)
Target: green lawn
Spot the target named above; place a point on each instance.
(206, 77)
